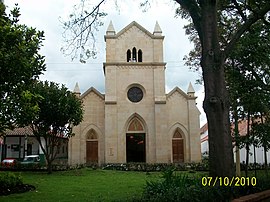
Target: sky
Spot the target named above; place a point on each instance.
(46, 15)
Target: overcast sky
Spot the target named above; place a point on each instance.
(44, 15)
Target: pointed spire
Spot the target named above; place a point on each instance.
(157, 29)
(110, 29)
(190, 90)
(76, 90)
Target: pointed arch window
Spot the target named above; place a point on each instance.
(177, 134)
(128, 55)
(134, 55)
(135, 125)
(140, 55)
(91, 135)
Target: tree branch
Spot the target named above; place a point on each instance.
(195, 12)
(80, 27)
(249, 22)
(237, 6)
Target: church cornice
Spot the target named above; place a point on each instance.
(135, 65)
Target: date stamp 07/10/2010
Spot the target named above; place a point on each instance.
(226, 181)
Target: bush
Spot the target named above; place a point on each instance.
(9, 180)
(175, 187)
(183, 187)
(148, 167)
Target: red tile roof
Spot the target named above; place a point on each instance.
(204, 128)
(204, 139)
(242, 128)
(19, 131)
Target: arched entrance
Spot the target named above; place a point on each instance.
(91, 147)
(135, 142)
(178, 147)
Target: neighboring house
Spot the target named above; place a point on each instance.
(21, 142)
(242, 127)
(135, 120)
(204, 140)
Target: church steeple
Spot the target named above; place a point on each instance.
(110, 29)
(76, 90)
(157, 30)
(190, 90)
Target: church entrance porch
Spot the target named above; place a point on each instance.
(135, 147)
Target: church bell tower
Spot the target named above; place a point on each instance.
(134, 88)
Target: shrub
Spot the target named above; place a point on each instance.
(175, 187)
(9, 180)
(185, 187)
(148, 167)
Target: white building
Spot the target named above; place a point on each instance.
(242, 126)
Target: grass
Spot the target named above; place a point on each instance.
(82, 185)
(88, 185)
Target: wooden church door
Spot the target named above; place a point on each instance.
(91, 147)
(178, 148)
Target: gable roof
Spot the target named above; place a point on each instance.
(22, 131)
(175, 90)
(134, 23)
(92, 89)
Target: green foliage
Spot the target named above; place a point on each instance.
(247, 76)
(157, 167)
(58, 110)
(99, 185)
(8, 180)
(30, 108)
(82, 185)
(261, 131)
(21, 64)
(175, 187)
(183, 187)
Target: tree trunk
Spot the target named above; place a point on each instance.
(247, 145)
(236, 135)
(49, 167)
(216, 105)
(265, 161)
(255, 161)
(247, 159)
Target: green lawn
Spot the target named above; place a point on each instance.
(82, 185)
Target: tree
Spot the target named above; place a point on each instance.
(261, 130)
(20, 64)
(247, 77)
(206, 16)
(58, 111)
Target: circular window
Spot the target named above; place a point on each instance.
(135, 94)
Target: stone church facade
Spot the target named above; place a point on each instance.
(135, 120)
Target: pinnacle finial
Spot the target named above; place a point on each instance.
(110, 29)
(76, 89)
(190, 90)
(157, 29)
